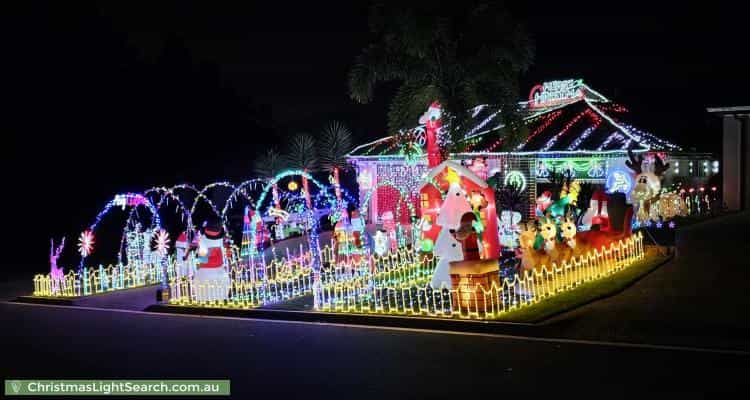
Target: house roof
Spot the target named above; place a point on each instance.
(586, 122)
(460, 169)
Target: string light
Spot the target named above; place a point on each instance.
(86, 243)
(406, 290)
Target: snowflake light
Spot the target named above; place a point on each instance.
(86, 243)
(162, 242)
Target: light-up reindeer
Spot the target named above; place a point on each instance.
(647, 183)
(570, 247)
(55, 272)
(548, 230)
(530, 257)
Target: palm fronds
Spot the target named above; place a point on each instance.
(335, 143)
(269, 164)
(302, 153)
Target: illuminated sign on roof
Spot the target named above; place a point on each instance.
(555, 92)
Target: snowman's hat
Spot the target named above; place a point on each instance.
(212, 229)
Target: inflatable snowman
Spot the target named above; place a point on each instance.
(211, 280)
(183, 261)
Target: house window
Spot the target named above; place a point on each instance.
(425, 201)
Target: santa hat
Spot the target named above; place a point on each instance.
(212, 229)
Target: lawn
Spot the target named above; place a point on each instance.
(587, 292)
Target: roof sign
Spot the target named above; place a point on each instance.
(555, 92)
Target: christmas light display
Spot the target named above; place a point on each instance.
(551, 142)
(554, 92)
(403, 197)
(403, 297)
(515, 179)
(161, 239)
(582, 168)
(93, 280)
(86, 243)
(619, 180)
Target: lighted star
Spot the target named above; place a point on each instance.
(671, 224)
(451, 176)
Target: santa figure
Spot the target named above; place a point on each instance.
(389, 225)
(597, 212)
(467, 235)
(543, 202)
(432, 121)
(211, 280)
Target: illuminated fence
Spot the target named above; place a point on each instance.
(250, 284)
(93, 280)
(358, 295)
(256, 283)
(403, 267)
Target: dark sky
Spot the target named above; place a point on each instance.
(108, 98)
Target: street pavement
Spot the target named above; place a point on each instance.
(295, 360)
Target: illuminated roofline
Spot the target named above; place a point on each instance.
(367, 144)
(515, 153)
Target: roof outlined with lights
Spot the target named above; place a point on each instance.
(562, 117)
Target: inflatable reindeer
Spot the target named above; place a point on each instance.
(530, 257)
(647, 185)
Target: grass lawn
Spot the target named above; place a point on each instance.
(587, 292)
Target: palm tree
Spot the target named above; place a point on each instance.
(460, 55)
(303, 155)
(335, 143)
(268, 166)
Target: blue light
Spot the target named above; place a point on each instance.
(619, 180)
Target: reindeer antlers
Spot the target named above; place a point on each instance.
(635, 163)
(659, 166)
(52, 250)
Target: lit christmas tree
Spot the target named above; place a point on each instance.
(247, 247)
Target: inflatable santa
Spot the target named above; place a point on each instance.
(597, 213)
(211, 280)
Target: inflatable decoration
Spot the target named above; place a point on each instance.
(647, 185)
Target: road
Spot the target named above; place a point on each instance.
(292, 360)
(697, 301)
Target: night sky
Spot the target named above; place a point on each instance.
(107, 98)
